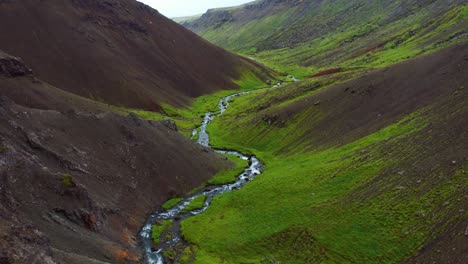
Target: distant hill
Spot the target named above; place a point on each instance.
(306, 36)
(186, 18)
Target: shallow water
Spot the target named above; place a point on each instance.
(255, 168)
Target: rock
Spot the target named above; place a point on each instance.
(269, 119)
(317, 103)
(454, 162)
(170, 124)
(13, 67)
(137, 119)
(5, 101)
(466, 231)
(400, 188)
(33, 140)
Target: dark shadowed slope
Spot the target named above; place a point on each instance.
(117, 51)
(77, 181)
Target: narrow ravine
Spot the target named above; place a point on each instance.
(255, 167)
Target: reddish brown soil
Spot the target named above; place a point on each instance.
(120, 52)
(372, 49)
(326, 72)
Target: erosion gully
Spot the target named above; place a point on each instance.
(155, 255)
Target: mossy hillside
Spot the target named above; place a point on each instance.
(370, 46)
(307, 193)
(250, 81)
(310, 203)
(279, 199)
(364, 38)
(241, 37)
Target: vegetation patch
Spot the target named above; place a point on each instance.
(67, 181)
(300, 210)
(158, 229)
(197, 203)
(301, 191)
(171, 203)
(230, 175)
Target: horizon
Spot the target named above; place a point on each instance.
(180, 8)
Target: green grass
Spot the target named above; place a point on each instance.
(303, 195)
(339, 202)
(300, 210)
(248, 81)
(171, 203)
(364, 38)
(158, 229)
(187, 255)
(197, 203)
(190, 117)
(230, 175)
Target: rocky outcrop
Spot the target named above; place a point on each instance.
(12, 66)
(212, 18)
(170, 124)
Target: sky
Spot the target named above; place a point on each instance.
(180, 8)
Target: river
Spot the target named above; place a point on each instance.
(255, 168)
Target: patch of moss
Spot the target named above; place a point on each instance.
(186, 256)
(197, 203)
(67, 181)
(171, 203)
(158, 229)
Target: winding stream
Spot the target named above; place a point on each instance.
(174, 214)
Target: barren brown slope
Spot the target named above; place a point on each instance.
(365, 104)
(118, 51)
(76, 181)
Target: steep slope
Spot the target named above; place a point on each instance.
(78, 181)
(307, 36)
(369, 170)
(121, 52)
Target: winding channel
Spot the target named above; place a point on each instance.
(155, 256)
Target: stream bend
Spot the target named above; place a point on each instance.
(155, 256)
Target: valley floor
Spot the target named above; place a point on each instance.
(360, 168)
